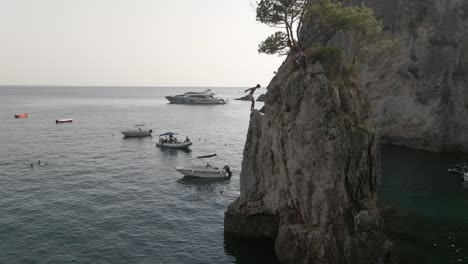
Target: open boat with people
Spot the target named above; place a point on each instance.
(63, 120)
(168, 140)
(209, 171)
(461, 170)
(138, 131)
(22, 115)
(204, 97)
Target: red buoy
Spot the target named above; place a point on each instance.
(22, 115)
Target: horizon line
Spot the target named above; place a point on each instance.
(121, 86)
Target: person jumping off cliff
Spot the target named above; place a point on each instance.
(297, 55)
(250, 95)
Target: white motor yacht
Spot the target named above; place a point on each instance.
(204, 97)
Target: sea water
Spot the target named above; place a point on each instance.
(100, 198)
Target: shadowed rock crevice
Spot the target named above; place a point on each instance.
(310, 173)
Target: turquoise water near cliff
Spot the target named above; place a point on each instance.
(105, 199)
(427, 207)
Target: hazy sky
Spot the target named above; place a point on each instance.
(132, 42)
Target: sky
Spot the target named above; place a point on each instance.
(133, 43)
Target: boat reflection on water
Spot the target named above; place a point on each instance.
(173, 152)
(196, 180)
(465, 184)
(206, 187)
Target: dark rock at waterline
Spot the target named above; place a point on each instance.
(310, 173)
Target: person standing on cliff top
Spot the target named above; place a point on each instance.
(297, 54)
(250, 95)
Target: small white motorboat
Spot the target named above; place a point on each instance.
(137, 132)
(63, 120)
(168, 140)
(209, 171)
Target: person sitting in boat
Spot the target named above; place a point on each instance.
(171, 139)
(187, 139)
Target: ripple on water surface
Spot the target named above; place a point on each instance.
(105, 199)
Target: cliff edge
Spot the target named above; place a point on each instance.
(419, 96)
(310, 172)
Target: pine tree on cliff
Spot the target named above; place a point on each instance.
(285, 14)
(327, 19)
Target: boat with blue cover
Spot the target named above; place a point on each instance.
(168, 140)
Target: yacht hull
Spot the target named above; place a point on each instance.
(191, 100)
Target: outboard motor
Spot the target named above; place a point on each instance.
(228, 171)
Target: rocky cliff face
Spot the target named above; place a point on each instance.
(310, 173)
(419, 95)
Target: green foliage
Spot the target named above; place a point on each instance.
(325, 19)
(278, 12)
(369, 48)
(385, 45)
(284, 14)
(274, 44)
(324, 54)
(330, 57)
(330, 18)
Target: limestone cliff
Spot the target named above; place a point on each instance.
(310, 173)
(419, 95)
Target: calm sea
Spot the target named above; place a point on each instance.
(105, 199)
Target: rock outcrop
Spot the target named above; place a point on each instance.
(261, 98)
(419, 95)
(310, 173)
(243, 98)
